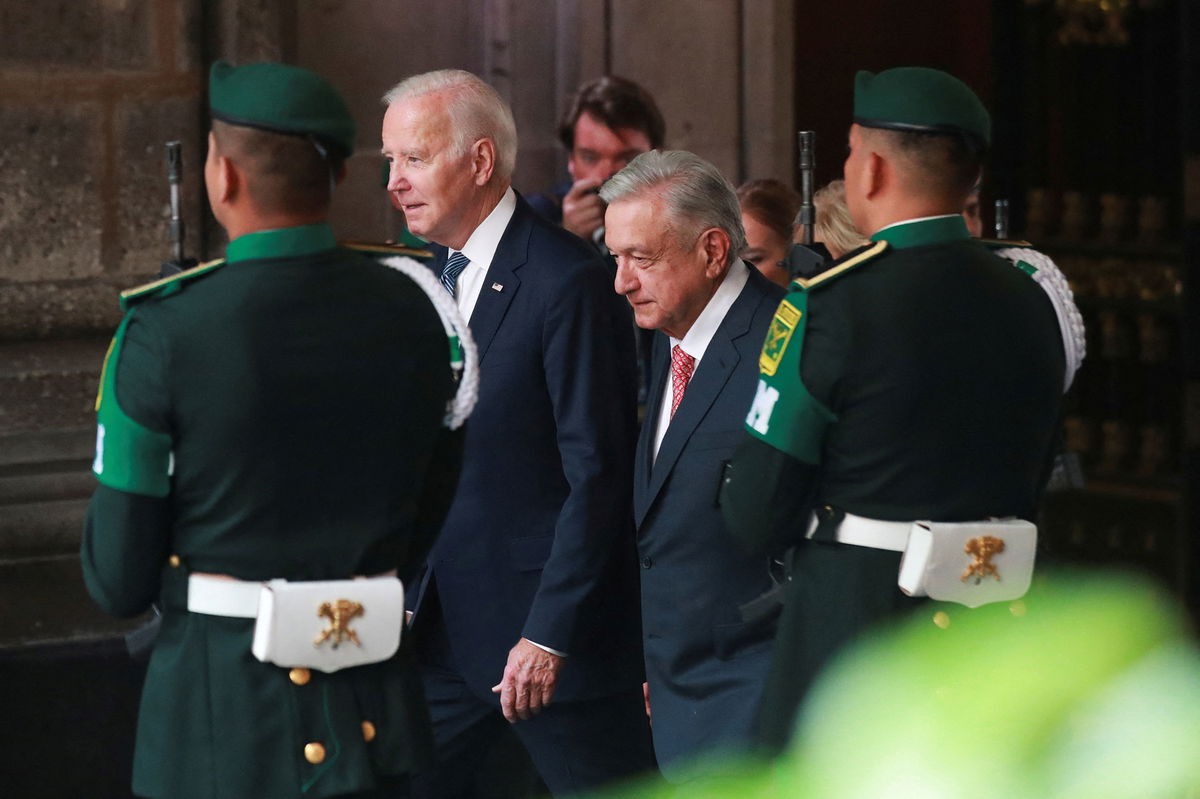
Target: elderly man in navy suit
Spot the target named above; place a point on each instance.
(674, 225)
(528, 610)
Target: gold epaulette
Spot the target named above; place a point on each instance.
(130, 296)
(847, 263)
(375, 248)
(997, 244)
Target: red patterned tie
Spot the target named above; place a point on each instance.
(682, 365)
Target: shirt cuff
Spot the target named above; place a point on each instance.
(548, 649)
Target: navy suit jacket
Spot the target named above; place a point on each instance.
(704, 664)
(539, 540)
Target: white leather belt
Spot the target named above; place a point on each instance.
(863, 532)
(223, 596)
(217, 595)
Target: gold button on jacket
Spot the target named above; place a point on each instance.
(300, 676)
(314, 753)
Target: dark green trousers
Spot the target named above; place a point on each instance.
(837, 593)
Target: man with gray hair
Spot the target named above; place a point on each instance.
(674, 226)
(531, 594)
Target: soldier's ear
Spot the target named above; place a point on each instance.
(876, 169)
(483, 161)
(232, 179)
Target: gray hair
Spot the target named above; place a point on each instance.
(697, 195)
(476, 112)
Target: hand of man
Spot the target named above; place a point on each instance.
(583, 210)
(528, 682)
(646, 699)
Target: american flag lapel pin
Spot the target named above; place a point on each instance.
(497, 287)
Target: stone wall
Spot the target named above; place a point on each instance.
(91, 91)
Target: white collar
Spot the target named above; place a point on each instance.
(700, 334)
(481, 246)
(916, 219)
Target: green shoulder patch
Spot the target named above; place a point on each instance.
(377, 250)
(778, 336)
(167, 285)
(851, 262)
(784, 414)
(129, 456)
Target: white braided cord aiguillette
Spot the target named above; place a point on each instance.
(1070, 321)
(467, 394)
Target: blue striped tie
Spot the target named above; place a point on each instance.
(453, 268)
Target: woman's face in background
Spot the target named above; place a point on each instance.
(765, 249)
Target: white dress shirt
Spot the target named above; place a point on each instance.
(696, 340)
(480, 249)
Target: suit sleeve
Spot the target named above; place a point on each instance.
(590, 376)
(764, 493)
(126, 537)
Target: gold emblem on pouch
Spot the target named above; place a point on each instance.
(982, 549)
(339, 614)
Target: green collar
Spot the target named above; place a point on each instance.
(920, 232)
(281, 243)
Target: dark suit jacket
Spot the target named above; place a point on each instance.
(705, 666)
(539, 540)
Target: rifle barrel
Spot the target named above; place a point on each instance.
(808, 163)
(174, 178)
(1002, 219)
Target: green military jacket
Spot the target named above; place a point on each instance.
(274, 415)
(918, 374)
(918, 378)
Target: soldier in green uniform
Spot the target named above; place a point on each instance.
(918, 378)
(279, 414)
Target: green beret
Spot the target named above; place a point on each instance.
(920, 99)
(282, 99)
